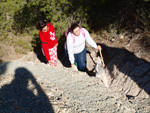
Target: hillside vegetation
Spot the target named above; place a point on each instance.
(107, 19)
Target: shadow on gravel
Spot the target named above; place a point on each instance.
(24, 94)
(36, 45)
(127, 63)
(3, 68)
(62, 56)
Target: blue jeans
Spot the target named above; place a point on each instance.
(80, 59)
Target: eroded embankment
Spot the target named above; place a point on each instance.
(125, 70)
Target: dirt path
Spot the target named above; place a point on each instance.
(36, 87)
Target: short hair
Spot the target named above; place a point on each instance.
(73, 26)
(40, 24)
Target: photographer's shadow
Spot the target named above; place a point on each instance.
(24, 94)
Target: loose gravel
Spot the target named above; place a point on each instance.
(27, 87)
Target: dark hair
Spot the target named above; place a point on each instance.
(73, 26)
(40, 24)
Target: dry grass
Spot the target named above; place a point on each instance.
(13, 47)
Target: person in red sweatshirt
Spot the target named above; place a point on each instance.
(48, 41)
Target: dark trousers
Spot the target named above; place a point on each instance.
(80, 59)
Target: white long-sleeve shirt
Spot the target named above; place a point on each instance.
(77, 46)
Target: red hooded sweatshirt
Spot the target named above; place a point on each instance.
(48, 39)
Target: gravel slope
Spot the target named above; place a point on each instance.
(35, 87)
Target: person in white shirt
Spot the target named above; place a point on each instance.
(76, 46)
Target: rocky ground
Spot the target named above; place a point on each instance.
(29, 86)
(33, 87)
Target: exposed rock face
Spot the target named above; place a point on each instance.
(124, 70)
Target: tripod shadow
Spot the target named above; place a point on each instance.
(24, 94)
